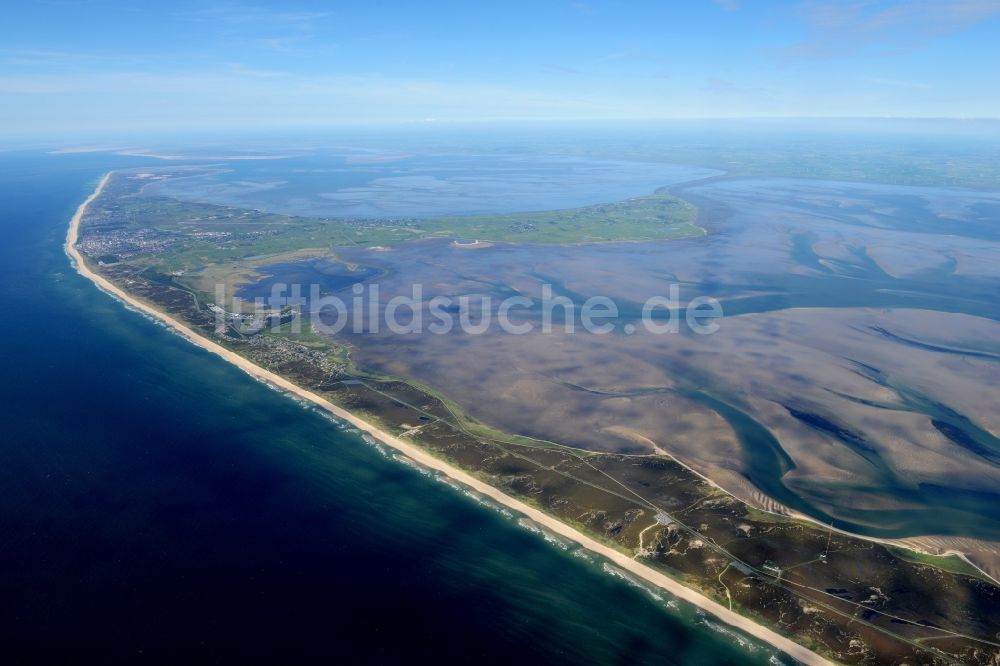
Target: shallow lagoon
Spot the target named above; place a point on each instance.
(404, 185)
(330, 276)
(858, 256)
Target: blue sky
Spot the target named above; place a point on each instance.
(91, 67)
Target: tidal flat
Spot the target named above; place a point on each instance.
(860, 343)
(853, 380)
(850, 384)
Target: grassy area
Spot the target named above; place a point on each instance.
(658, 216)
(207, 234)
(306, 335)
(950, 563)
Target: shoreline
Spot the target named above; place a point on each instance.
(919, 544)
(786, 645)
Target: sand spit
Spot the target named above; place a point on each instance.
(786, 645)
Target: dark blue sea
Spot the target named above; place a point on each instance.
(158, 504)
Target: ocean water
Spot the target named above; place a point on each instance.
(155, 501)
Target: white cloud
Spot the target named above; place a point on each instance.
(276, 29)
(853, 26)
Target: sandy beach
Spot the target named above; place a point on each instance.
(423, 458)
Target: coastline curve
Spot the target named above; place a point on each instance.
(786, 645)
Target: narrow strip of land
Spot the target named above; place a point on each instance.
(786, 645)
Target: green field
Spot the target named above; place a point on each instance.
(658, 216)
(210, 234)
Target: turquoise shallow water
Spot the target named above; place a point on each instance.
(155, 500)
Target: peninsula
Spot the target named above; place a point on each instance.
(782, 580)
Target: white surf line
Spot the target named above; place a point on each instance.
(794, 650)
